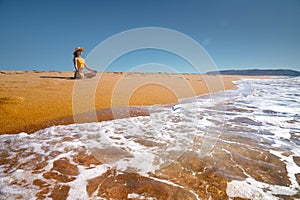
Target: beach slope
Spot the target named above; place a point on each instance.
(32, 100)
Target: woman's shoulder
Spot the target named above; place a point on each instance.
(79, 58)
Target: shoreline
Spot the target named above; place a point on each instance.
(33, 100)
(102, 115)
(241, 145)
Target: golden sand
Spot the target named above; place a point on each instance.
(32, 100)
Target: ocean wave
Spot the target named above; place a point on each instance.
(238, 143)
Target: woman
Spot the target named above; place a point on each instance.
(79, 64)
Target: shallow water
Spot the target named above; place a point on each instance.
(242, 143)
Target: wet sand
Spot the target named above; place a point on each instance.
(33, 100)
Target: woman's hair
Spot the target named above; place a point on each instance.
(75, 54)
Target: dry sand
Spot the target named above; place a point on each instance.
(32, 100)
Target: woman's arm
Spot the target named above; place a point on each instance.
(89, 68)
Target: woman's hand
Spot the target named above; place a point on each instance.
(90, 69)
(95, 71)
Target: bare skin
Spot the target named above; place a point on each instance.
(80, 70)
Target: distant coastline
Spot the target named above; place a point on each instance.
(258, 72)
(246, 72)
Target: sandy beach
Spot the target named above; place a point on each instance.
(233, 148)
(150, 100)
(33, 100)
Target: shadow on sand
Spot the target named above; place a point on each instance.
(86, 75)
(59, 77)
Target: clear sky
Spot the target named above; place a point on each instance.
(237, 34)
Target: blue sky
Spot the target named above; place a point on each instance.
(237, 34)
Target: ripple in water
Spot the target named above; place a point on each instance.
(241, 143)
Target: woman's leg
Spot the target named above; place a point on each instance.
(79, 74)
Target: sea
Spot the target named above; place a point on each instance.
(236, 144)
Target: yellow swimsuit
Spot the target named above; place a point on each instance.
(80, 62)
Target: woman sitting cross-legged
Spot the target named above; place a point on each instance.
(79, 64)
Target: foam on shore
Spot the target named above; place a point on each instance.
(244, 139)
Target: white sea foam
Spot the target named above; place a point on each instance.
(274, 107)
(267, 110)
(76, 187)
